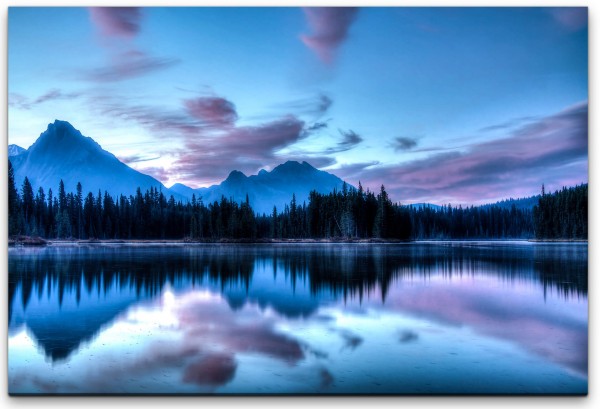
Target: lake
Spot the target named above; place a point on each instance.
(414, 318)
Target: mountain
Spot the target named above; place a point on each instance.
(524, 203)
(14, 150)
(520, 204)
(268, 189)
(62, 152)
(419, 206)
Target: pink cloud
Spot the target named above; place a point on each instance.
(212, 148)
(552, 150)
(330, 27)
(208, 158)
(122, 25)
(116, 21)
(216, 111)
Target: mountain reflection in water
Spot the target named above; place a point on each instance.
(67, 296)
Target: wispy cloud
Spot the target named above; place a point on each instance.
(161, 122)
(330, 26)
(210, 144)
(508, 125)
(215, 111)
(22, 102)
(324, 104)
(207, 159)
(315, 106)
(117, 21)
(316, 126)
(118, 27)
(323, 157)
(552, 150)
(349, 139)
(404, 143)
(127, 65)
(137, 158)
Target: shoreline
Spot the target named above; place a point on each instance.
(24, 241)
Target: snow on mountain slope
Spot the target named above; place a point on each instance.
(62, 152)
(274, 188)
(14, 150)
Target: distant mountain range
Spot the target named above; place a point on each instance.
(420, 206)
(268, 189)
(62, 152)
(520, 204)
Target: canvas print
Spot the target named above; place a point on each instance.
(320, 200)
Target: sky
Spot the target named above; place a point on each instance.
(440, 105)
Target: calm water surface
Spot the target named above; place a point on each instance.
(418, 318)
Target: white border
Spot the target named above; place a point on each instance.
(297, 402)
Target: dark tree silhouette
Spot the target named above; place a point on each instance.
(349, 213)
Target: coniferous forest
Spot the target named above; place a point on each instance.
(349, 213)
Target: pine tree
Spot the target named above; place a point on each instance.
(79, 210)
(50, 215)
(40, 212)
(382, 216)
(28, 205)
(13, 202)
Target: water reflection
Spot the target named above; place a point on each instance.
(231, 302)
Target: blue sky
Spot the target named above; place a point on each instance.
(445, 105)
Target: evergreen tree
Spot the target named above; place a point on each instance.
(50, 224)
(28, 206)
(79, 210)
(62, 196)
(13, 202)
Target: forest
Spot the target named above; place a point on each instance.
(346, 214)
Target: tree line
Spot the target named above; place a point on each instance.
(481, 222)
(347, 213)
(563, 214)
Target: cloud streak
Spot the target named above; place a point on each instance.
(215, 111)
(330, 26)
(128, 65)
(552, 150)
(121, 22)
(118, 27)
(211, 145)
(350, 140)
(20, 101)
(137, 158)
(404, 143)
(207, 159)
(315, 106)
